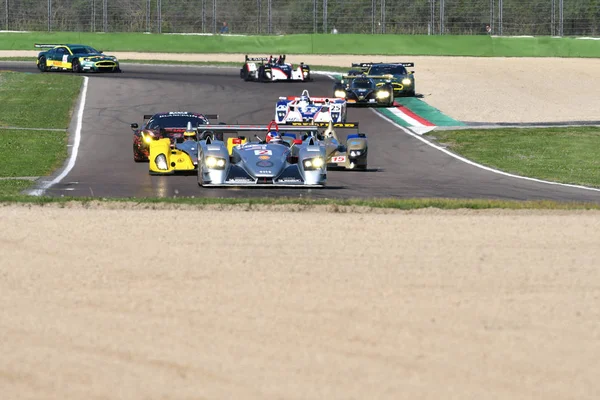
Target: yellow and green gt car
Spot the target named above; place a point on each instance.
(76, 58)
(396, 74)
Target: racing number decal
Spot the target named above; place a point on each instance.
(338, 159)
(336, 107)
(65, 58)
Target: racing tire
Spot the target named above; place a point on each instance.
(75, 66)
(244, 74)
(260, 73)
(42, 64)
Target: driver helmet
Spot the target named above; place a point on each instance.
(304, 101)
(274, 137)
(190, 133)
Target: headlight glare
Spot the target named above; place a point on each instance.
(314, 163)
(339, 93)
(161, 162)
(406, 81)
(214, 162)
(383, 95)
(211, 162)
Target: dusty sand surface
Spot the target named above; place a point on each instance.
(467, 88)
(139, 304)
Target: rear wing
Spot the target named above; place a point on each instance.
(313, 99)
(348, 125)
(207, 116)
(257, 58)
(46, 46)
(257, 128)
(280, 57)
(368, 76)
(369, 64)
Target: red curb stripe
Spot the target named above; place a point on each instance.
(411, 114)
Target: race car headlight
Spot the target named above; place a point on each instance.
(147, 138)
(339, 93)
(383, 95)
(305, 73)
(268, 74)
(406, 81)
(161, 162)
(355, 153)
(313, 163)
(215, 162)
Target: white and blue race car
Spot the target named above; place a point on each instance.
(311, 109)
(271, 69)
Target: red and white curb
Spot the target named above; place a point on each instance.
(418, 124)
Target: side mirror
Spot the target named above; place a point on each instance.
(412, 72)
(134, 126)
(101, 51)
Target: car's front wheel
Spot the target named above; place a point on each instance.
(42, 64)
(75, 66)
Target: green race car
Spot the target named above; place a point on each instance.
(395, 74)
(76, 58)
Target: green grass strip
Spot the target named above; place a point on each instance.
(334, 205)
(37, 100)
(405, 45)
(10, 190)
(566, 155)
(31, 153)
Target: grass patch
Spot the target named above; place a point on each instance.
(10, 189)
(438, 45)
(333, 204)
(37, 100)
(566, 155)
(31, 153)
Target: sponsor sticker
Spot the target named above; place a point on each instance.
(264, 163)
(263, 152)
(263, 157)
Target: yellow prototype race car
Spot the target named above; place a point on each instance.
(167, 156)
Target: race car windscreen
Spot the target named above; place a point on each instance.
(387, 70)
(84, 50)
(175, 121)
(361, 84)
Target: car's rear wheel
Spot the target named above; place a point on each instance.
(42, 64)
(75, 66)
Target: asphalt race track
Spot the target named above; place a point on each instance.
(400, 165)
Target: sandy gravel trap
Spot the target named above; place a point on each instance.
(124, 304)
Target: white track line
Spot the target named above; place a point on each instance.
(474, 164)
(75, 149)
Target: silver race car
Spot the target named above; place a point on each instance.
(350, 153)
(268, 161)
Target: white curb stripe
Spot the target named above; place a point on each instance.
(75, 149)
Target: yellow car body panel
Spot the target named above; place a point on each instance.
(231, 145)
(176, 160)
